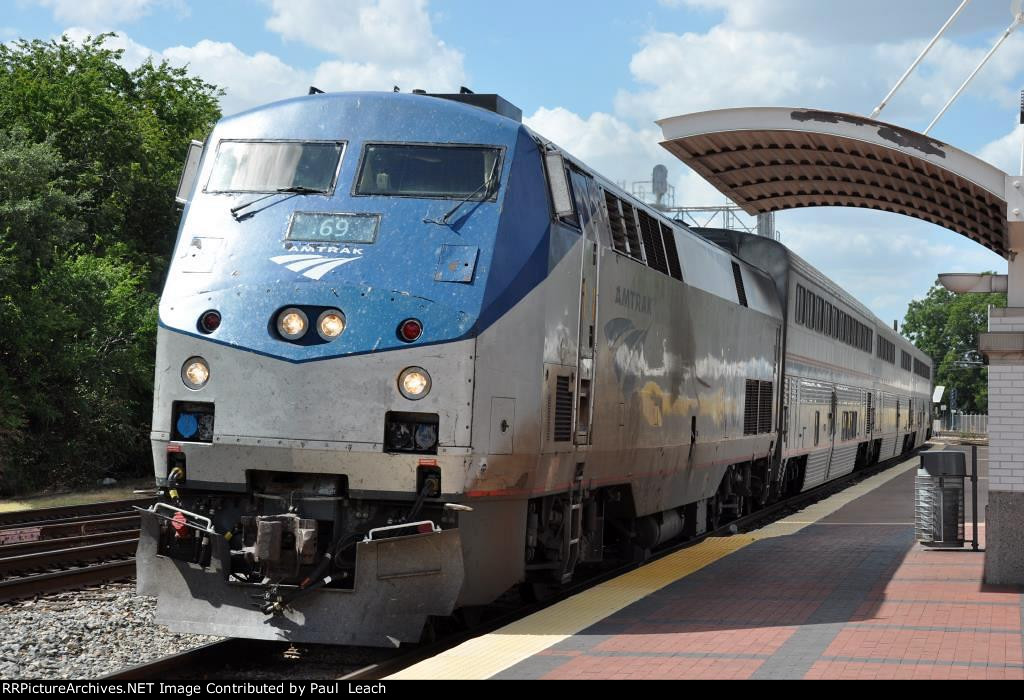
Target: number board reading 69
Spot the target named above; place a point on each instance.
(333, 228)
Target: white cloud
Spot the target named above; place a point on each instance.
(372, 44)
(863, 21)
(247, 79)
(1004, 152)
(882, 259)
(134, 52)
(105, 13)
(729, 67)
(378, 43)
(612, 147)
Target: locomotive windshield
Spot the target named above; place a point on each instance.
(447, 172)
(269, 166)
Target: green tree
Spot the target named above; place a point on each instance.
(37, 215)
(122, 134)
(90, 155)
(945, 326)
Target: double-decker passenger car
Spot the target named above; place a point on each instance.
(411, 354)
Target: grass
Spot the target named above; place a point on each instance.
(110, 493)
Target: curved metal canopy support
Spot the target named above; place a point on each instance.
(774, 158)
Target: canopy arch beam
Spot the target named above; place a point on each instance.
(775, 158)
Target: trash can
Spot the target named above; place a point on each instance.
(939, 500)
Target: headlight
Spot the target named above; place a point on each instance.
(195, 373)
(331, 324)
(292, 324)
(414, 383)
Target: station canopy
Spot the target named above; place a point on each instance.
(773, 158)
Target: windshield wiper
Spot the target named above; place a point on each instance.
(295, 189)
(488, 183)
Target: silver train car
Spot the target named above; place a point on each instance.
(412, 355)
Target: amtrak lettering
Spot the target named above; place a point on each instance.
(317, 248)
(634, 301)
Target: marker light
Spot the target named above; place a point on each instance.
(414, 383)
(331, 324)
(410, 330)
(209, 322)
(195, 373)
(292, 324)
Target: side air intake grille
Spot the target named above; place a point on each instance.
(750, 408)
(764, 407)
(562, 430)
(757, 407)
(741, 291)
(616, 223)
(669, 237)
(632, 233)
(651, 232)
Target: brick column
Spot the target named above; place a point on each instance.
(1004, 515)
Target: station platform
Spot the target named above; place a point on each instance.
(839, 590)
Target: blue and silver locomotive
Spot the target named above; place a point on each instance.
(411, 355)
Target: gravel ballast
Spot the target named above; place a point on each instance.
(84, 634)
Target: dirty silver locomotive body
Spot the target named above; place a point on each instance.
(603, 379)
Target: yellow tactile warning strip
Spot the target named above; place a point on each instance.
(824, 508)
(490, 654)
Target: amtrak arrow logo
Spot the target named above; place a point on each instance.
(312, 266)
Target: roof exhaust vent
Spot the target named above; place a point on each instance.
(492, 103)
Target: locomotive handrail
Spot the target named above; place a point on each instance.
(209, 523)
(369, 535)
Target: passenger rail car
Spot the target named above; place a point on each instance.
(410, 355)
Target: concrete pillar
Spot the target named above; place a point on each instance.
(1004, 347)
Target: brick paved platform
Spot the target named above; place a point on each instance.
(846, 595)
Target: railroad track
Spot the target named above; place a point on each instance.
(56, 549)
(247, 658)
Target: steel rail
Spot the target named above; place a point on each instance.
(33, 533)
(28, 586)
(39, 516)
(17, 548)
(68, 555)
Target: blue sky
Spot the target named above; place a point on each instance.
(593, 76)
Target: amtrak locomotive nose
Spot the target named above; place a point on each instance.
(337, 256)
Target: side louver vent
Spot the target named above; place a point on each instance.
(757, 407)
(616, 223)
(764, 407)
(651, 232)
(562, 429)
(741, 291)
(632, 232)
(668, 236)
